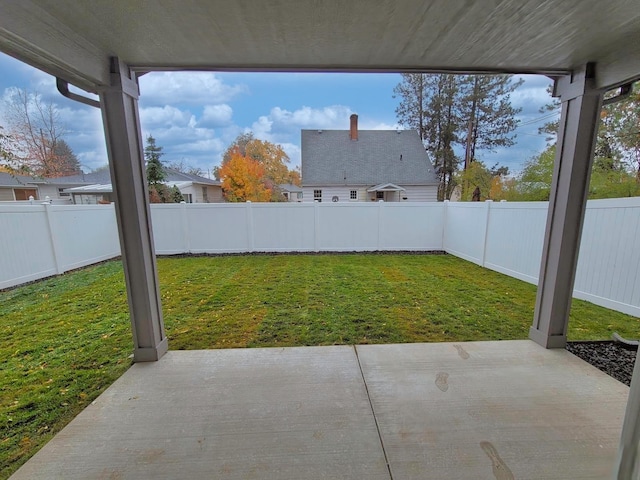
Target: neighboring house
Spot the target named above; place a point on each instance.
(20, 188)
(366, 165)
(292, 193)
(97, 187)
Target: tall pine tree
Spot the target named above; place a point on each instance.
(156, 174)
(468, 112)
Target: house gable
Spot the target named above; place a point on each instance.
(332, 157)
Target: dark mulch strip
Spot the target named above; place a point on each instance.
(610, 357)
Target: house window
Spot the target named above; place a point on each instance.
(379, 195)
(299, 196)
(62, 193)
(317, 195)
(205, 197)
(25, 193)
(187, 198)
(353, 195)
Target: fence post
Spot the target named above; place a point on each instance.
(52, 238)
(486, 230)
(185, 227)
(380, 203)
(316, 226)
(250, 239)
(444, 225)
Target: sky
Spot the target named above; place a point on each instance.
(195, 116)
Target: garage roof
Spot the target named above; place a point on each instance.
(74, 39)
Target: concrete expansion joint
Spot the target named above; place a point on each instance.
(373, 412)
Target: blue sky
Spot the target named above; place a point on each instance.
(194, 116)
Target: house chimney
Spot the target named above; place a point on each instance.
(353, 134)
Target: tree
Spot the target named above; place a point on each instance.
(242, 179)
(551, 110)
(183, 167)
(476, 176)
(271, 157)
(37, 132)
(66, 158)
(534, 183)
(156, 174)
(176, 195)
(7, 158)
(472, 111)
(413, 91)
(487, 112)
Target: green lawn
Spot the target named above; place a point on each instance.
(65, 339)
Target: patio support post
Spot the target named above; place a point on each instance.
(628, 461)
(121, 121)
(577, 131)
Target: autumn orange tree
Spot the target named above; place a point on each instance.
(243, 179)
(271, 157)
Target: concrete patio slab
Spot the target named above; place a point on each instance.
(478, 410)
(493, 410)
(254, 413)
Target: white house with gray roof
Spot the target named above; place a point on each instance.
(366, 165)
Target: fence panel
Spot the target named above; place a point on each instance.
(283, 228)
(344, 227)
(465, 228)
(83, 234)
(609, 261)
(411, 226)
(41, 240)
(26, 251)
(515, 236)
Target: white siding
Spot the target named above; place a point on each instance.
(422, 193)
(414, 193)
(6, 194)
(214, 193)
(329, 192)
(48, 190)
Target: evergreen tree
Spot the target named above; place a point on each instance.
(66, 160)
(155, 172)
(176, 195)
(449, 111)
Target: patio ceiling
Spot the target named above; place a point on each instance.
(74, 40)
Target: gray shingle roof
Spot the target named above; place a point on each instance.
(10, 180)
(330, 157)
(103, 177)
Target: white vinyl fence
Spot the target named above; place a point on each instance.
(42, 240)
(507, 237)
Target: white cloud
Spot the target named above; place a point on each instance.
(216, 116)
(280, 124)
(162, 88)
(167, 116)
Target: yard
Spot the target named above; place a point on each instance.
(65, 339)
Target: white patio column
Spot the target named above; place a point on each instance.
(577, 131)
(126, 163)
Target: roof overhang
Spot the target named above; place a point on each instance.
(75, 40)
(386, 187)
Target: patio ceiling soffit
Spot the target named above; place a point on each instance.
(75, 41)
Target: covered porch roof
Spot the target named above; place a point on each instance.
(103, 46)
(75, 40)
(386, 187)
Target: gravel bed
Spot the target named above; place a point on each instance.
(610, 357)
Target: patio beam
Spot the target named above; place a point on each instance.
(126, 163)
(577, 130)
